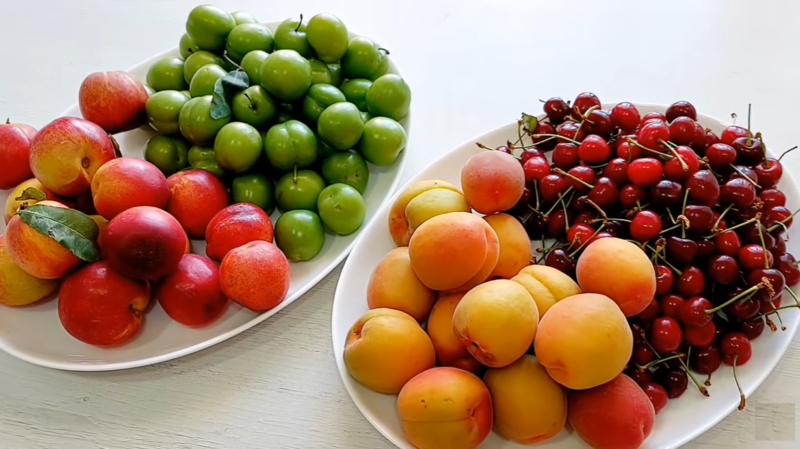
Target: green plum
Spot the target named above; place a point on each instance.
(290, 144)
(199, 153)
(169, 154)
(363, 58)
(204, 80)
(195, 121)
(300, 235)
(187, 46)
(163, 109)
(197, 60)
(241, 17)
(255, 189)
(355, 90)
(291, 35)
(346, 167)
(286, 75)
(211, 167)
(382, 142)
(254, 106)
(319, 97)
(389, 96)
(251, 63)
(328, 36)
(298, 190)
(166, 74)
(320, 72)
(340, 125)
(248, 37)
(383, 65)
(209, 26)
(237, 147)
(341, 208)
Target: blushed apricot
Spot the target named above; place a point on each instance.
(492, 181)
(394, 284)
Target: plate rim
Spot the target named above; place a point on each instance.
(686, 438)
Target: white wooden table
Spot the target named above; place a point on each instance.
(472, 66)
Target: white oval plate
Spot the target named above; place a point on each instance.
(680, 422)
(34, 333)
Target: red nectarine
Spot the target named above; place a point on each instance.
(113, 100)
(234, 226)
(255, 275)
(192, 295)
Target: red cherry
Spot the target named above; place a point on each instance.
(667, 193)
(723, 270)
(769, 173)
(504, 149)
(583, 102)
(706, 361)
(744, 172)
(674, 380)
(775, 215)
(651, 312)
(536, 169)
(557, 223)
(682, 131)
(738, 192)
(642, 354)
(617, 171)
(752, 328)
(630, 195)
(788, 267)
(749, 150)
(545, 143)
(705, 248)
(710, 139)
(665, 335)
(551, 186)
(703, 188)
(752, 257)
(579, 234)
(728, 243)
(732, 133)
(529, 153)
(652, 133)
(556, 109)
(675, 171)
(736, 349)
(594, 150)
(775, 278)
(645, 172)
(653, 116)
(699, 142)
(720, 156)
(571, 130)
(743, 310)
(561, 260)
(585, 174)
(680, 250)
(565, 155)
(638, 332)
(665, 277)
(772, 198)
(779, 248)
(604, 193)
(701, 219)
(693, 312)
(657, 395)
(627, 151)
(767, 307)
(681, 109)
(625, 116)
(599, 122)
(640, 376)
(671, 306)
(584, 217)
(700, 336)
(691, 283)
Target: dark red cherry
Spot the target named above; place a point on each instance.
(545, 143)
(571, 130)
(630, 195)
(565, 155)
(699, 141)
(723, 269)
(732, 133)
(701, 219)
(625, 116)
(651, 312)
(681, 109)
(710, 139)
(749, 150)
(599, 122)
(691, 283)
(642, 354)
(700, 336)
(605, 193)
(680, 250)
(772, 198)
(682, 130)
(583, 102)
(745, 172)
(665, 277)
(752, 328)
(671, 306)
(743, 310)
(556, 110)
(640, 376)
(778, 215)
(667, 193)
(703, 188)
(657, 395)
(738, 192)
(720, 156)
(788, 267)
(561, 260)
(674, 380)
(617, 171)
(556, 223)
(705, 248)
(706, 361)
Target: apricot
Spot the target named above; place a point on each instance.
(400, 226)
(529, 406)
(449, 351)
(489, 263)
(126, 182)
(234, 226)
(584, 341)
(515, 245)
(496, 321)
(385, 348)
(192, 294)
(393, 284)
(38, 254)
(196, 196)
(255, 275)
(445, 407)
(18, 288)
(451, 249)
(12, 203)
(492, 181)
(547, 285)
(144, 243)
(615, 415)
(620, 270)
(101, 307)
(67, 152)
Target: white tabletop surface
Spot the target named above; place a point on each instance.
(472, 65)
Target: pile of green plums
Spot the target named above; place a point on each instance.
(319, 108)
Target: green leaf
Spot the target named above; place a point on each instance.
(31, 193)
(530, 122)
(73, 230)
(224, 90)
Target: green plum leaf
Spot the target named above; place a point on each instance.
(224, 90)
(31, 193)
(73, 230)
(530, 122)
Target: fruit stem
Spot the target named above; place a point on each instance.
(573, 177)
(708, 381)
(665, 155)
(672, 228)
(780, 320)
(299, 24)
(597, 208)
(741, 295)
(8, 122)
(792, 294)
(719, 220)
(684, 166)
(579, 248)
(664, 360)
(763, 244)
(252, 103)
(779, 157)
(566, 215)
(536, 193)
(682, 218)
(557, 136)
(294, 176)
(742, 224)
(231, 62)
(701, 388)
(749, 134)
(771, 324)
(560, 200)
(385, 51)
(765, 314)
(742, 400)
(782, 222)
(671, 217)
(743, 175)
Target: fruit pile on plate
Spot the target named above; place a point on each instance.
(247, 120)
(662, 256)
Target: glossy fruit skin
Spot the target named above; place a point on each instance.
(166, 74)
(346, 167)
(163, 109)
(300, 235)
(320, 97)
(196, 278)
(125, 110)
(665, 335)
(328, 36)
(251, 63)
(355, 91)
(204, 79)
(341, 208)
(286, 75)
(237, 147)
(382, 141)
(15, 149)
(389, 96)
(254, 106)
(187, 46)
(169, 154)
(195, 121)
(736, 349)
(248, 37)
(299, 191)
(290, 144)
(657, 395)
(362, 59)
(208, 26)
(340, 125)
(291, 35)
(322, 73)
(196, 61)
(254, 189)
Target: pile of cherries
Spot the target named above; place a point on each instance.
(704, 207)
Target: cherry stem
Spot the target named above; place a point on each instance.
(708, 381)
(763, 244)
(671, 217)
(672, 228)
(599, 220)
(771, 324)
(743, 400)
(741, 295)
(560, 200)
(749, 134)
(684, 166)
(741, 173)
(597, 208)
(664, 259)
(765, 314)
(557, 136)
(701, 388)
(633, 142)
(792, 294)
(566, 215)
(573, 177)
(664, 360)
(780, 320)
(536, 192)
(685, 221)
(299, 24)
(742, 224)
(779, 157)
(519, 135)
(719, 220)
(577, 250)
(782, 222)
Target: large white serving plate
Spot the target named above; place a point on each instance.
(34, 333)
(680, 422)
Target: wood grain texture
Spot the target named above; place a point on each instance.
(472, 65)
